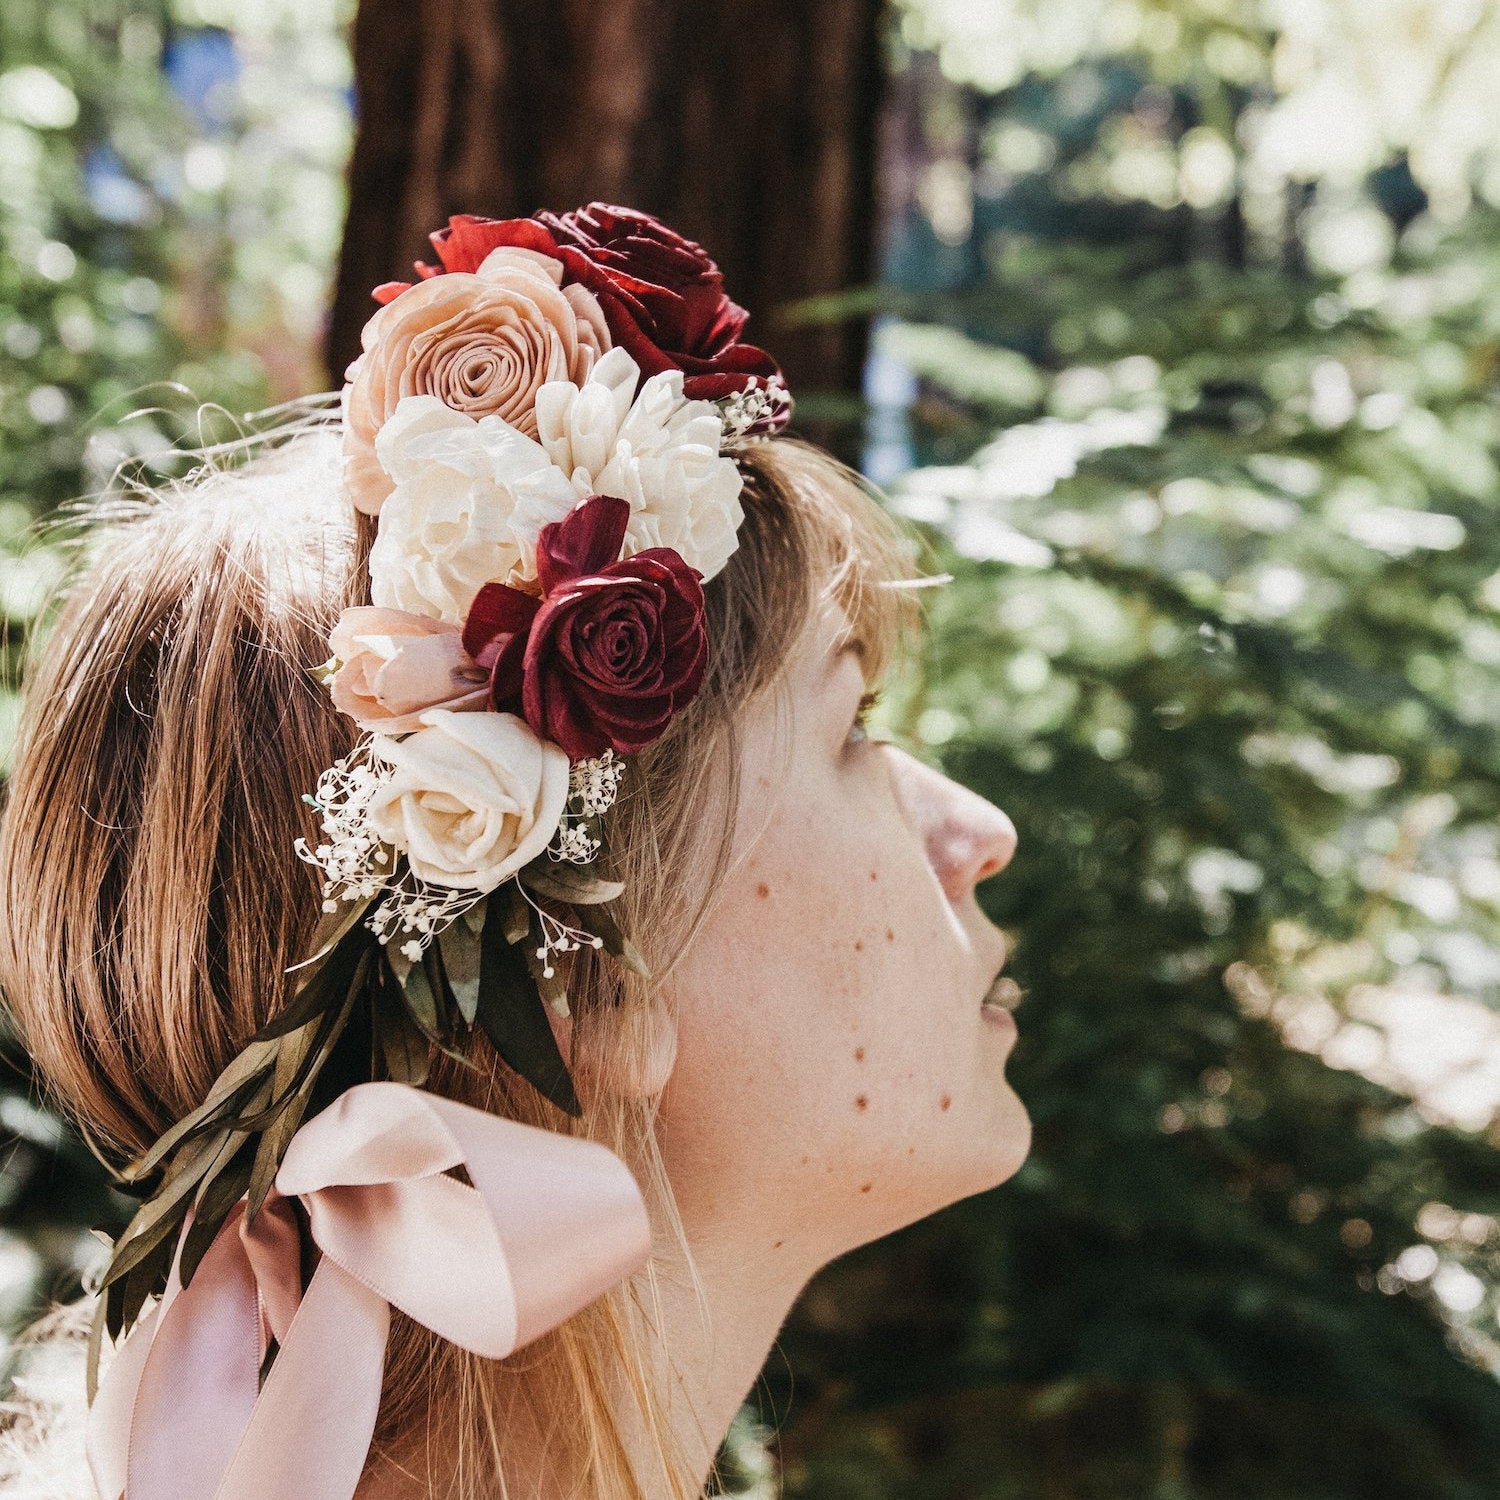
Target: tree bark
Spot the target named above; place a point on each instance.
(750, 127)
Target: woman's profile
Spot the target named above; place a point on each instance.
(623, 980)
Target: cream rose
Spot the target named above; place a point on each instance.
(469, 798)
(482, 343)
(657, 450)
(393, 666)
(469, 500)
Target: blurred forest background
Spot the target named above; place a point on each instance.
(1174, 326)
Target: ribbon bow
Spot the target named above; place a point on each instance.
(551, 1223)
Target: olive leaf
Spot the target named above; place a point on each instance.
(216, 1196)
(326, 975)
(404, 1051)
(514, 1016)
(297, 1074)
(514, 912)
(550, 985)
(569, 884)
(600, 922)
(459, 944)
(238, 1081)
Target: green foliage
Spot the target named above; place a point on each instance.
(1224, 639)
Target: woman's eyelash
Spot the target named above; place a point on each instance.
(862, 713)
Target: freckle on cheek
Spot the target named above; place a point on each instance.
(866, 1188)
(763, 890)
(778, 1244)
(890, 935)
(859, 1054)
(874, 874)
(862, 1103)
(947, 1102)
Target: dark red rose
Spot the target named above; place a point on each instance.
(611, 651)
(661, 293)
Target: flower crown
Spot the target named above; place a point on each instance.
(542, 427)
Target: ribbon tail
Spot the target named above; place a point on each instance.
(107, 1440)
(310, 1431)
(197, 1378)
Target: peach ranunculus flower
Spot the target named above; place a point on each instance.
(469, 798)
(483, 344)
(393, 666)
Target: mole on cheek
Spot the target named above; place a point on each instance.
(763, 890)
(859, 947)
(947, 1102)
(874, 874)
(859, 1054)
(890, 935)
(862, 1103)
(866, 1188)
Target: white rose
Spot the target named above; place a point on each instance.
(659, 451)
(470, 498)
(470, 798)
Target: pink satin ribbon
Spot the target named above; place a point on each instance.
(551, 1223)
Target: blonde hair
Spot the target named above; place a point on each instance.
(152, 902)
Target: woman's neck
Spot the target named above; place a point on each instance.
(716, 1330)
(711, 1327)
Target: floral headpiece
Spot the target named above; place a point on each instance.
(542, 426)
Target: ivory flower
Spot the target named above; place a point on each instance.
(657, 450)
(482, 343)
(469, 500)
(469, 798)
(393, 666)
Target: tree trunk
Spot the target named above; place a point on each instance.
(748, 126)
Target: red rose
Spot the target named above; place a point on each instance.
(611, 651)
(662, 295)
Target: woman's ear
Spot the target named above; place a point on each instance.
(633, 1053)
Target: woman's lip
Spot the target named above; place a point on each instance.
(998, 1015)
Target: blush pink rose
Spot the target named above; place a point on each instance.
(394, 666)
(483, 343)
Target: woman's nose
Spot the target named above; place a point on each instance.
(968, 839)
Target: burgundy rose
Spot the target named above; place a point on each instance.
(613, 648)
(661, 293)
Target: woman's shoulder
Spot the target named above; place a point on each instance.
(42, 1413)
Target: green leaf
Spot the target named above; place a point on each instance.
(211, 1207)
(460, 951)
(302, 1076)
(551, 987)
(599, 921)
(404, 1050)
(96, 1346)
(160, 1215)
(331, 931)
(237, 1082)
(421, 1001)
(514, 912)
(569, 884)
(514, 1017)
(326, 980)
